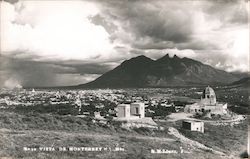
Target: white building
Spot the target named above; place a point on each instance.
(123, 111)
(193, 125)
(207, 103)
(33, 90)
(133, 110)
(137, 109)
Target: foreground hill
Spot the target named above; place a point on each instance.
(32, 130)
(167, 71)
(40, 130)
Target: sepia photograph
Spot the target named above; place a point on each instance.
(124, 79)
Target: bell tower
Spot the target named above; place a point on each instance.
(208, 96)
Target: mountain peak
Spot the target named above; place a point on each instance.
(167, 57)
(141, 57)
(164, 58)
(139, 60)
(142, 71)
(175, 56)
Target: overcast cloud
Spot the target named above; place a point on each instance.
(53, 43)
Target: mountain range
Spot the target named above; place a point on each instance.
(166, 71)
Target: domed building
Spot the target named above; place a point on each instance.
(207, 103)
(208, 96)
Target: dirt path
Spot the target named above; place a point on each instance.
(193, 144)
(185, 116)
(179, 116)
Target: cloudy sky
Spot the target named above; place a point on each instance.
(54, 43)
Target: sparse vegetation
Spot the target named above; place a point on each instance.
(57, 124)
(221, 137)
(35, 130)
(59, 109)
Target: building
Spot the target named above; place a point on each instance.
(208, 96)
(133, 110)
(207, 103)
(134, 115)
(123, 111)
(137, 109)
(33, 90)
(193, 125)
(100, 118)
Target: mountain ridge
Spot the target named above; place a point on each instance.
(166, 71)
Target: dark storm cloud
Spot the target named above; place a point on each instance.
(137, 27)
(100, 20)
(198, 45)
(23, 64)
(150, 19)
(145, 45)
(164, 24)
(90, 68)
(229, 11)
(35, 73)
(152, 24)
(31, 73)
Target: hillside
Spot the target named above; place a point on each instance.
(167, 71)
(37, 131)
(244, 82)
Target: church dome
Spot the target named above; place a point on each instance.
(209, 95)
(209, 91)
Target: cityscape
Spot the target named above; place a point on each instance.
(152, 113)
(127, 79)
